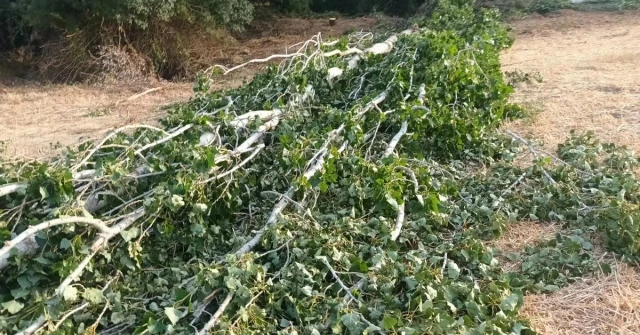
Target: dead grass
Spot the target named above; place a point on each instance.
(519, 235)
(596, 305)
(525, 233)
(590, 64)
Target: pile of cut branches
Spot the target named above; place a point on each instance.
(347, 190)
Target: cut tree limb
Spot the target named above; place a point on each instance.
(394, 141)
(96, 246)
(31, 231)
(12, 188)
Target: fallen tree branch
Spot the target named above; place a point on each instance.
(12, 188)
(99, 224)
(164, 139)
(108, 137)
(394, 141)
(96, 246)
(37, 325)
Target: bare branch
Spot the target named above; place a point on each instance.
(109, 136)
(99, 224)
(214, 319)
(253, 61)
(164, 139)
(399, 221)
(533, 152)
(396, 139)
(12, 188)
(136, 96)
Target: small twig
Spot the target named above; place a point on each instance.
(337, 278)
(95, 325)
(344, 287)
(68, 314)
(284, 245)
(235, 168)
(214, 319)
(514, 184)
(164, 139)
(533, 152)
(201, 307)
(373, 139)
(136, 96)
(444, 265)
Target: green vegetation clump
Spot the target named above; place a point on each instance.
(349, 190)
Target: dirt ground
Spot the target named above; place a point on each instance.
(38, 120)
(590, 68)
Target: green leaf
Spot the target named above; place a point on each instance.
(13, 306)
(70, 294)
(117, 317)
(389, 322)
(233, 283)
(510, 303)
(284, 323)
(93, 295)
(323, 187)
(173, 314)
(473, 309)
(130, 234)
(65, 244)
(19, 293)
(552, 288)
(453, 270)
(350, 320)
(605, 268)
(43, 260)
(307, 290)
(43, 192)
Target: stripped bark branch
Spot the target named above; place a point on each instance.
(99, 224)
(96, 246)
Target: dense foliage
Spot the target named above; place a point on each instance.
(341, 192)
